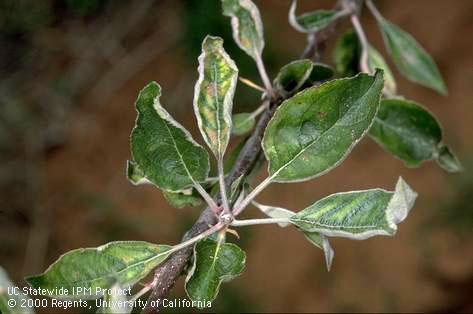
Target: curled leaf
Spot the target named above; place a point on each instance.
(162, 149)
(292, 76)
(312, 22)
(214, 263)
(213, 96)
(246, 25)
(122, 262)
(359, 214)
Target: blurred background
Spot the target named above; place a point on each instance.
(70, 71)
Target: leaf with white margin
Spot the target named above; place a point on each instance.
(312, 22)
(135, 175)
(293, 75)
(246, 25)
(314, 131)
(213, 94)
(162, 148)
(214, 263)
(5, 296)
(121, 262)
(315, 238)
(358, 215)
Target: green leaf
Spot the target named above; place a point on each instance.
(359, 214)
(19, 298)
(214, 263)
(213, 96)
(121, 262)
(185, 198)
(314, 21)
(292, 76)
(246, 25)
(313, 132)
(447, 160)
(243, 123)
(408, 131)
(320, 72)
(315, 238)
(376, 61)
(162, 148)
(135, 175)
(346, 54)
(410, 58)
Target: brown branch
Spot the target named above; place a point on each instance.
(167, 273)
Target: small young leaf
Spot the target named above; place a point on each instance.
(243, 123)
(246, 25)
(20, 299)
(185, 198)
(162, 148)
(358, 215)
(214, 263)
(213, 95)
(376, 61)
(346, 54)
(447, 160)
(292, 76)
(408, 131)
(312, 22)
(410, 58)
(121, 262)
(315, 238)
(312, 132)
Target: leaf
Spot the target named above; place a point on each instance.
(186, 198)
(5, 296)
(292, 76)
(359, 214)
(347, 57)
(275, 212)
(410, 58)
(243, 123)
(246, 25)
(162, 148)
(321, 241)
(314, 21)
(447, 160)
(320, 72)
(313, 132)
(315, 238)
(213, 95)
(214, 263)
(346, 54)
(376, 61)
(121, 262)
(408, 131)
